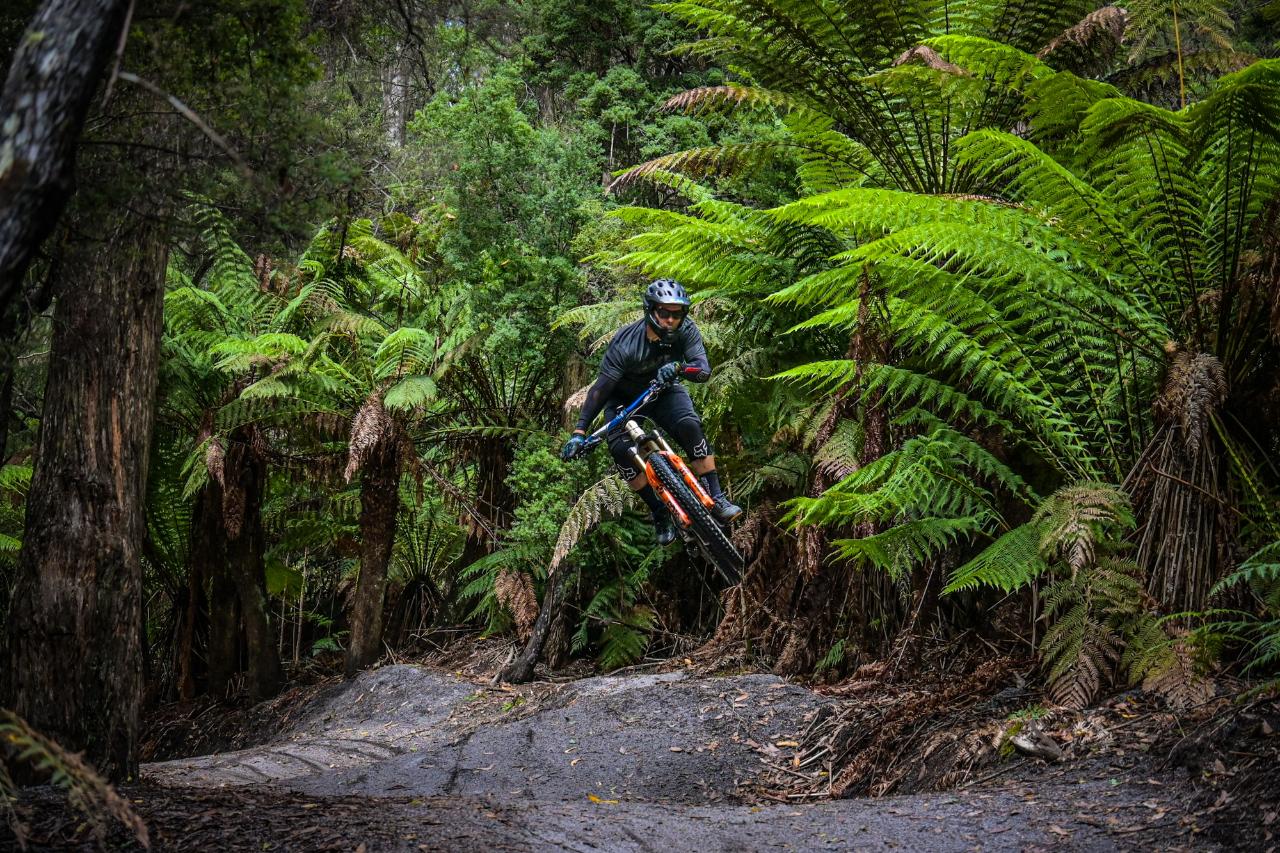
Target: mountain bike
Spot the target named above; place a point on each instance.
(674, 482)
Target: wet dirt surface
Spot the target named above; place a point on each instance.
(407, 758)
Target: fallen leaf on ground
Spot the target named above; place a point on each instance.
(593, 798)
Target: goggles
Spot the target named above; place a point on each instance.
(670, 313)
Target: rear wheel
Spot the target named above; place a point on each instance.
(711, 537)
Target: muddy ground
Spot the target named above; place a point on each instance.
(413, 758)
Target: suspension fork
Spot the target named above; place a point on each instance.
(690, 479)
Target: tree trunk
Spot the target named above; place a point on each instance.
(379, 507)
(815, 617)
(74, 663)
(208, 557)
(51, 81)
(6, 398)
(245, 482)
(395, 99)
(520, 670)
(224, 627)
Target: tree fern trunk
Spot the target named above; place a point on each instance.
(520, 669)
(215, 612)
(246, 474)
(6, 399)
(213, 566)
(74, 665)
(812, 627)
(379, 506)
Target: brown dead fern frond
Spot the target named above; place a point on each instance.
(514, 591)
(1080, 684)
(1101, 30)
(370, 428)
(1194, 389)
(262, 269)
(717, 160)
(931, 58)
(233, 507)
(1178, 677)
(576, 399)
(87, 792)
(215, 459)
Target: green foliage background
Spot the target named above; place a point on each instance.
(968, 273)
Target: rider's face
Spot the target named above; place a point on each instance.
(670, 317)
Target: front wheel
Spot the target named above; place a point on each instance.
(715, 545)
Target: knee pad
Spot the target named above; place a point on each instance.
(688, 432)
(623, 461)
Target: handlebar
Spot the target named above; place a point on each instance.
(597, 438)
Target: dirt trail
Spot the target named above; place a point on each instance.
(409, 758)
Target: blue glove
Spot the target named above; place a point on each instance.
(668, 372)
(572, 447)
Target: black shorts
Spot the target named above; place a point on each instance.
(673, 412)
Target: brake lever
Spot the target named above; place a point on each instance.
(587, 446)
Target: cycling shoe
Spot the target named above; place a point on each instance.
(725, 510)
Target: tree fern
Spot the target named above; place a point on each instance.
(1036, 255)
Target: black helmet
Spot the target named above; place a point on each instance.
(663, 291)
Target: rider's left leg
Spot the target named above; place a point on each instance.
(686, 427)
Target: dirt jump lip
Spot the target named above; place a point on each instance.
(662, 761)
(404, 730)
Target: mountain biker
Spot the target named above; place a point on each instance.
(665, 344)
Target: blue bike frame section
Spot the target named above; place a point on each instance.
(598, 436)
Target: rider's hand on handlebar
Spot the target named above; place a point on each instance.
(573, 446)
(668, 372)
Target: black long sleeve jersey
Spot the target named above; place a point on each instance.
(632, 362)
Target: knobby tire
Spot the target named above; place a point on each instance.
(711, 537)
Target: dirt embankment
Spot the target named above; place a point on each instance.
(409, 758)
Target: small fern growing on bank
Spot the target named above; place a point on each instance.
(1258, 633)
(1102, 623)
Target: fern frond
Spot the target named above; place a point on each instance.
(1010, 563)
(1077, 521)
(909, 543)
(604, 499)
(1263, 567)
